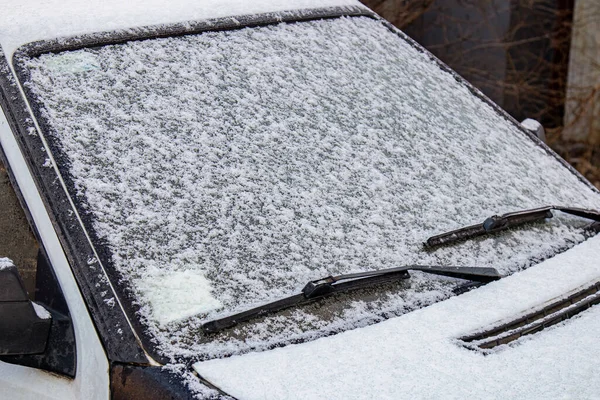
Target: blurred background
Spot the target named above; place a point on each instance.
(537, 59)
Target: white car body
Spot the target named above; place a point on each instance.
(416, 355)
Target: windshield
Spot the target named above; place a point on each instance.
(224, 170)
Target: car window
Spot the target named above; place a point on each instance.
(17, 241)
(226, 169)
(19, 244)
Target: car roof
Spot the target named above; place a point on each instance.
(32, 20)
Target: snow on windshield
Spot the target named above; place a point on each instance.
(236, 166)
(417, 356)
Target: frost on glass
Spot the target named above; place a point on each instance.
(258, 159)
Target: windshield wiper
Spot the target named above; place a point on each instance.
(320, 288)
(497, 223)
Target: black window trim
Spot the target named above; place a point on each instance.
(129, 347)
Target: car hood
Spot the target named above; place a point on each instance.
(419, 355)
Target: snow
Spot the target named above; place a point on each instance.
(30, 20)
(530, 124)
(41, 312)
(417, 356)
(5, 263)
(197, 389)
(263, 158)
(178, 294)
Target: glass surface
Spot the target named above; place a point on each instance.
(226, 169)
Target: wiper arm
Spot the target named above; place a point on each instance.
(497, 223)
(320, 288)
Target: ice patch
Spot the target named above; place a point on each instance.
(178, 295)
(73, 63)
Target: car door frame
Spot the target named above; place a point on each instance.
(92, 377)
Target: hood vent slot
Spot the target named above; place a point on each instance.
(534, 321)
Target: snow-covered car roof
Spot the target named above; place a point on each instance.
(31, 20)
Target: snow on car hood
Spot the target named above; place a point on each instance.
(417, 355)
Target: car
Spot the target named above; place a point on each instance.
(271, 200)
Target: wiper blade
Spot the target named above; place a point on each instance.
(497, 223)
(320, 288)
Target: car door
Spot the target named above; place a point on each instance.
(38, 376)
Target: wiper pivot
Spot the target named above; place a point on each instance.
(330, 285)
(497, 223)
(324, 286)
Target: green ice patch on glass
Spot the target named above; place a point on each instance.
(73, 63)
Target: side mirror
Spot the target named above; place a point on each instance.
(24, 325)
(534, 127)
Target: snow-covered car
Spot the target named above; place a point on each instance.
(273, 200)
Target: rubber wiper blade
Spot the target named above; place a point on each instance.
(497, 223)
(320, 288)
